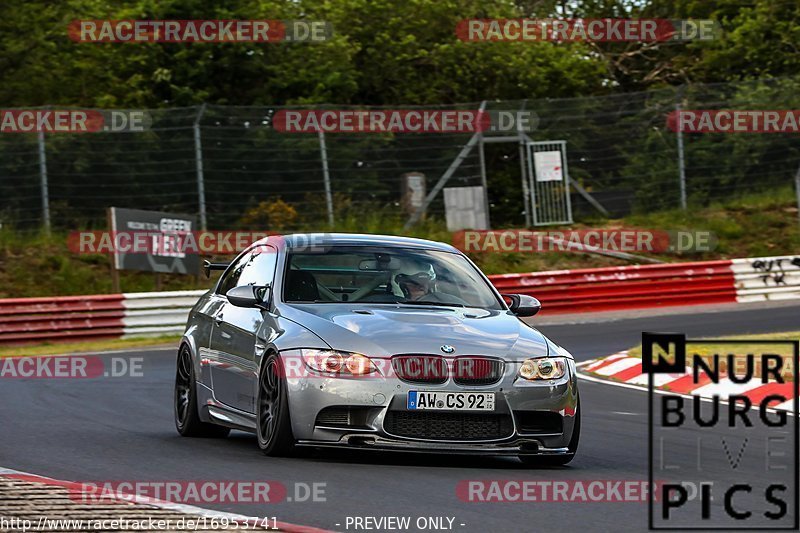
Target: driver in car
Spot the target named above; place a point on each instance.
(418, 281)
(414, 280)
(414, 286)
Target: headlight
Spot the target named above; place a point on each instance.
(543, 368)
(339, 363)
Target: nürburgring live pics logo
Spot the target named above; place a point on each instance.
(724, 457)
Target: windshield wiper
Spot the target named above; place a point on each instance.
(428, 302)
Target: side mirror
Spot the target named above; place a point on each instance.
(208, 266)
(249, 296)
(523, 305)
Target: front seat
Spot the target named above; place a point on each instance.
(301, 286)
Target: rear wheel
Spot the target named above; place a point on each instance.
(559, 460)
(274, 423)
(187, 419)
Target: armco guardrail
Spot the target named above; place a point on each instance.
(566, 291)
(767, 278)
(628, 287)
(92, 317)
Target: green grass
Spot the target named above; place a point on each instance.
(35, 264)
(753, 225)
(83, 347)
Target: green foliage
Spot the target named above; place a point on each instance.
(275, 215)
(382, 52)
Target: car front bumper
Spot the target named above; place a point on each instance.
(378, 397)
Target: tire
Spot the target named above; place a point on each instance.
(273, 422)
(558, 460)
(187, 419)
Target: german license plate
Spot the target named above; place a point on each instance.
(450, 401)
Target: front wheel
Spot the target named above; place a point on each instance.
(558, 460)
(187, 420)
(274, 423)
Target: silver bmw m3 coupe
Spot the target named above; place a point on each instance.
(373, 342)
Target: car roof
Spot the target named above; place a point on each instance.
(304, 240)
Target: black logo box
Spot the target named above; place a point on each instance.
(678, 365)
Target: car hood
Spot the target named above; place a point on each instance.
(384, 330)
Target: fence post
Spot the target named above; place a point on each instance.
(797, 190)
(681, 159)
(44, 186)
(323, 150)
(484, 181)
(198, 156)
(523, 169)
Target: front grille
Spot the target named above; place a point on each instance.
(426, 369)
(448, 426)
(433, 369)
(477, 370)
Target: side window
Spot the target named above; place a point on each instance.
(231, 278)
(259, 267)
(256, 267)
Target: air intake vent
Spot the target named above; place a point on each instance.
(539, 422)
(448, 426)
(343, 416)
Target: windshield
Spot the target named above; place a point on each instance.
(386, 275)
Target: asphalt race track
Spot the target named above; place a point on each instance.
(122, 429)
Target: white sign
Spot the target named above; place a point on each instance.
(465, 208)
(416, 184)
(547, 166)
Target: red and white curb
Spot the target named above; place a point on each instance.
(250, 521)
(625, 371)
